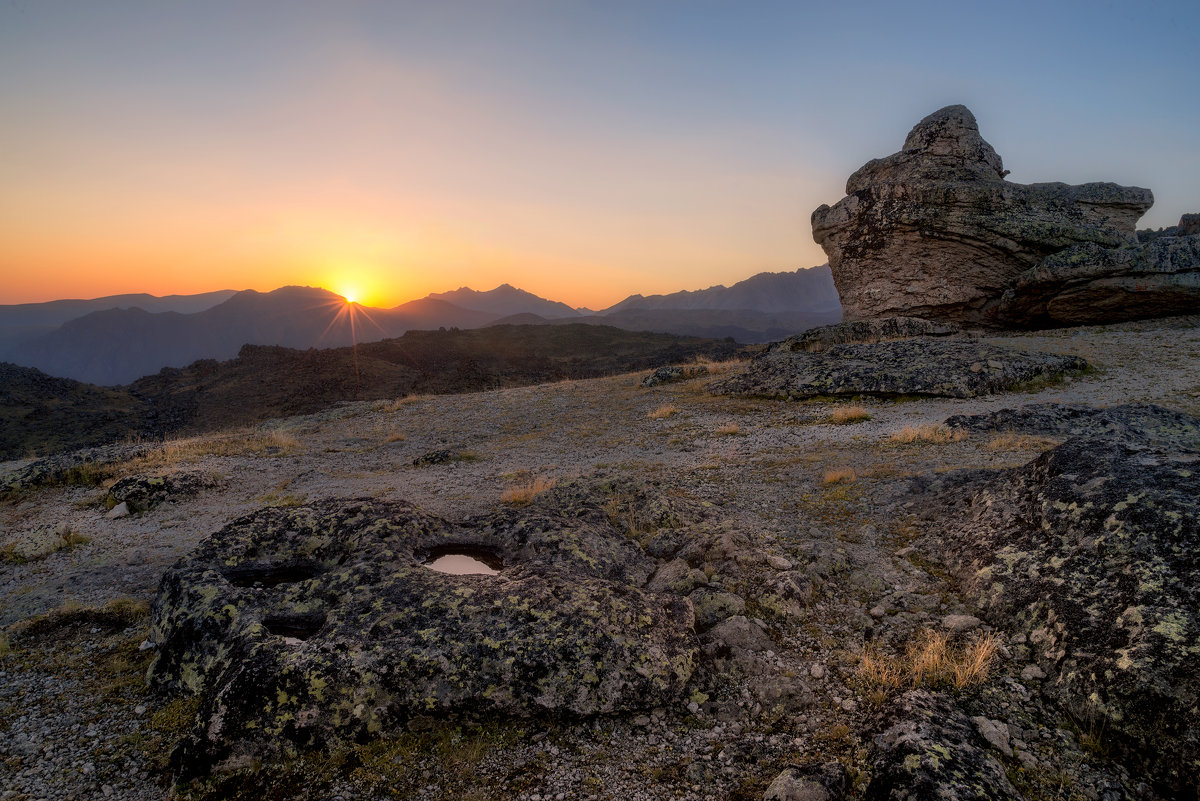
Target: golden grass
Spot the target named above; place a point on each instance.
(1012, 441)
(239, 443)
(727, 430)
(845, 415)
(930, 661)
(521, 494)
(720, 367)
(936, 434)
(842, 475)
(664, 411)
(399, 403)
(396, 437)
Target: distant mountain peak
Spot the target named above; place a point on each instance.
(504, 300)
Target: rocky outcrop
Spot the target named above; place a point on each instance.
(312, 626)
(83, 466)
(932, 752)
(1093, 551)
(935, 231)
(918, 366)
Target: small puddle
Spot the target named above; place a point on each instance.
(460, 560)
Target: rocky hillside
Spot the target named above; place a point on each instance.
(948, 595)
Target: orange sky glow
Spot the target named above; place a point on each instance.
(581, 151)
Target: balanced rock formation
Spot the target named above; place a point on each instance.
(935, 231)
(311, 626)
(1092, 551)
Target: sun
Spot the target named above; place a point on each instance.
(351, 294)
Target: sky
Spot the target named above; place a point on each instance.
(581, 150)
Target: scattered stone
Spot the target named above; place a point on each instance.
(712, 607)
(827, 782)
(118, 511)
(1144, 423)
(960, 623)
(995, 732)
(919, 366)
(935, 231)
(441, 456)
(69, 468)
(1032, 673)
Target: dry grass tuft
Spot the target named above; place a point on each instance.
(396, 437)
(843, 475)
(938, 434)
(664, 411)
(929, 661)
(522, 494)
(845, 415)
(1012, 441)
(240, 443)
(399, 403)
(719, 368)
(728, 430)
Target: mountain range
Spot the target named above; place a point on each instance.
(115, 340)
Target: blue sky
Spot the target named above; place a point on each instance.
(581, 150)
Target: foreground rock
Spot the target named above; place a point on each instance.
(918, 366)
(931, 751)
(815, 340)
(83, 466)
(1093, 551)
(311, 626)
(935, 231)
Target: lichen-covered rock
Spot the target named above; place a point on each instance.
(919, 366)
(815, 340)
(307, 626)
(935, 231)
(1130, 422)
(929, 751)
(1089, 284)
(1093, 550)
(142, 493)
(674, 373)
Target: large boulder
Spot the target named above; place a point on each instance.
(936, 231)
(316, 625)
(953, 368)
(1093, 551)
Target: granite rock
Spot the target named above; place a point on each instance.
(935, 231)
(309, 626)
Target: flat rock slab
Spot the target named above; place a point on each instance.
(1093, 551)
(304, 627)
(917, 366)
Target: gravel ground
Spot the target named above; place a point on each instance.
(76, 722)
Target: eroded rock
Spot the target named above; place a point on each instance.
(142, 493)
(674, 373)
(918, 366)
(935, 231)
(815, 340)
(308, 626)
